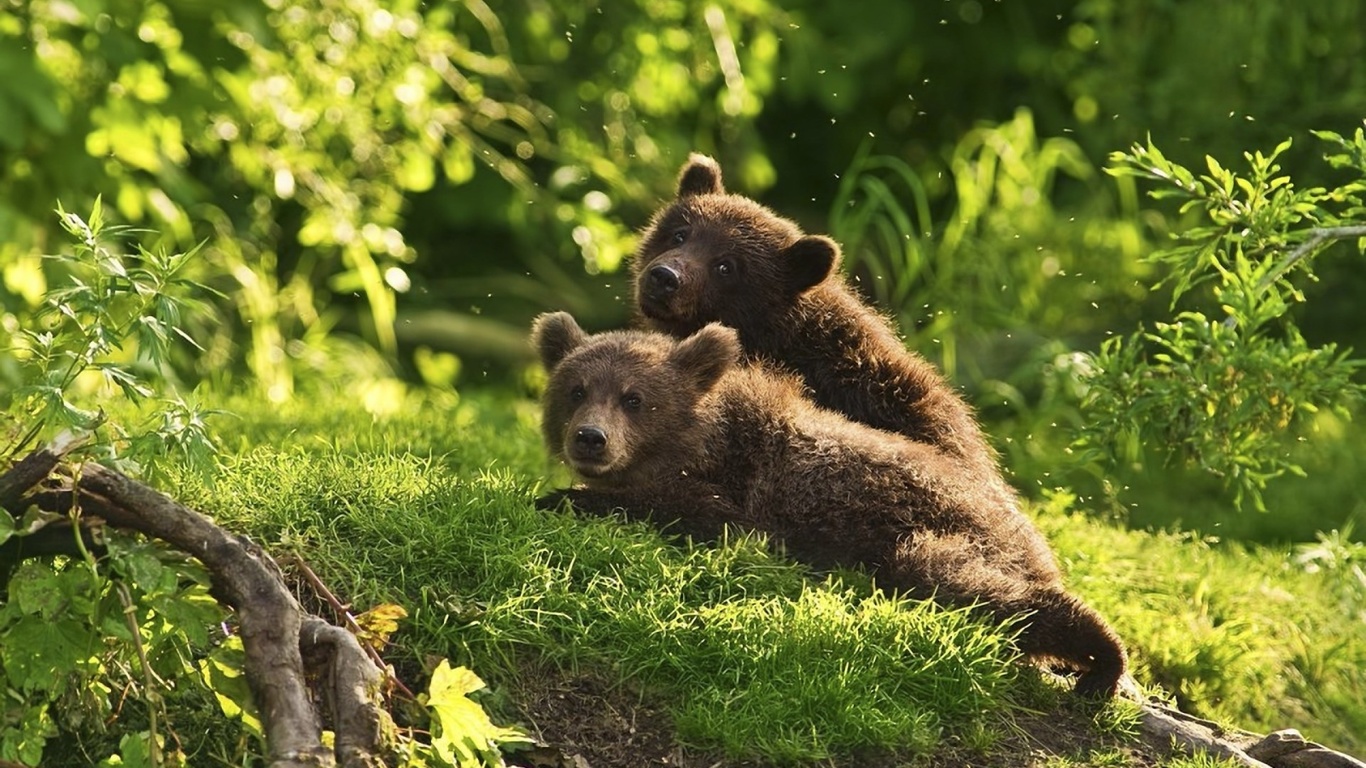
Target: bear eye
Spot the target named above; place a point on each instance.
(679, 236)
(631, 401)
(577, 394)
(724, 268)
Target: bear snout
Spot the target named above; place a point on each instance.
(661, 281)
(589, 443)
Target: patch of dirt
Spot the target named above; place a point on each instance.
(1034, 739)
(583, 721)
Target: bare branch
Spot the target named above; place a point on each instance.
(343, 612)
(350, 690)
(1192, 734)
(245, 578)
(1318, 236)
(35, 468)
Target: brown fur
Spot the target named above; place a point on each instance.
(710, 256)
(677, 432)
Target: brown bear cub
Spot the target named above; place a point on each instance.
(710, 256)
(679, 433)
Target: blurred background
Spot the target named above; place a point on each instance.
(397, 188)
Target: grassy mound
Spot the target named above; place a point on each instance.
(744, 654)
(758, 659)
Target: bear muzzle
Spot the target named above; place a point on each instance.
(661, 281)
(587, 450)
(659, 292)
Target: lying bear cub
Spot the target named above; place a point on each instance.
(677, 432)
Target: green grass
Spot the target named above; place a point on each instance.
(1199, 761)
(1236, 633)
(430, 507)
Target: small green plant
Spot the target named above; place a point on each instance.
(84, 636)
(1226, 380)
(1005, 256)
(84, 639)
(111, 327)
(1343, 561)
(1200, 760)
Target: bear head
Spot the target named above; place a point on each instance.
(710, 256)
(623, 408)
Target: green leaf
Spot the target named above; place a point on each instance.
(25, 743)
(96, 219)
(465, 736)
(36, 589)
(133, 752)
(222, 672)
(139, 565)
(7, 526)
(40, 652)
(35, 518)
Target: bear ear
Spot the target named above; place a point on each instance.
(809, 261)
(555, 335)
(707, 354)
(701, 176)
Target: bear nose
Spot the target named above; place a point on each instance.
(661, 280)
(590, 440)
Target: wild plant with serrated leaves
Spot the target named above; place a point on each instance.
(1229, 380)
(84, 636)
(112, 325)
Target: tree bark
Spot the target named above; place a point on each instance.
(1281, 749)
(1192, 734)
(245, 578)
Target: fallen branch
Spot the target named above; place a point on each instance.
(349, 692)
(1192, 734)
(1281, 749)
(34, 469)
(344, 612)
(245, 578)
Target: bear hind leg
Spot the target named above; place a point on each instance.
(1054, 626)
(1064, 628)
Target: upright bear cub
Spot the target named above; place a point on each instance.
(675, 431)
(710, 256)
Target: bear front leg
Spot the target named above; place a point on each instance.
(687, 508)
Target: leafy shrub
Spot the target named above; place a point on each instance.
(1223, 391)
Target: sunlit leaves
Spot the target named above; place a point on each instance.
(221, 671)
(1213, 396)
(464, 736)
(118, 319)
(1007, 255)
(1348, 153)
(1258, 216)
(379, 623)
(1225, 392)
(68, 652)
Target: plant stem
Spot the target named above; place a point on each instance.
(149, 677)
(343, 612)
(1317, 237)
